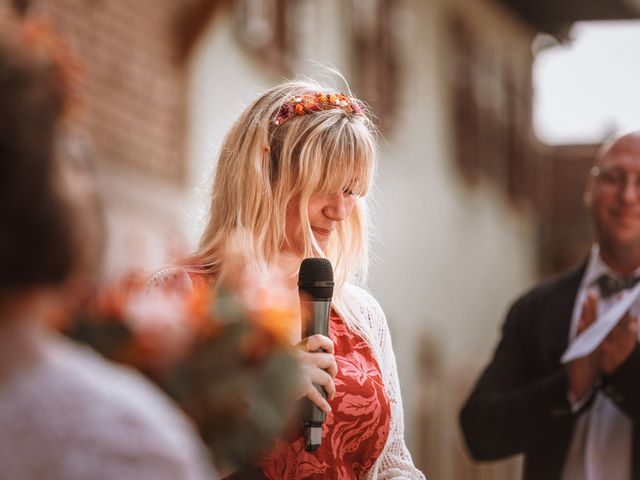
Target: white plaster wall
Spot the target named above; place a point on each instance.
(142, 217)
(450, 259)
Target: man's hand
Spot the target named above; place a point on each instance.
(619, 344)
(584, 371)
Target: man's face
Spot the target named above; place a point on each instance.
(613, 195)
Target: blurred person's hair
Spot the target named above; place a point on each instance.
(36, 239)
(263, 166)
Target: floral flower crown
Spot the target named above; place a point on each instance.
(316, 102)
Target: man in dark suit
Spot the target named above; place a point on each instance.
(577, 421)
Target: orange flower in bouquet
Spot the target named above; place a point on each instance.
(223, 355)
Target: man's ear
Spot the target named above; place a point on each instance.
(587, 196)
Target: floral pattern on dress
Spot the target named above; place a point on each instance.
(356, 430)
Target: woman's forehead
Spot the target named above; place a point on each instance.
(345, 173)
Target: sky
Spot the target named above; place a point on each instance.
(588, 88)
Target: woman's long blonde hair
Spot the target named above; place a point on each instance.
(262, 167)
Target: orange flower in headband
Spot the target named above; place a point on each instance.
(316, 102)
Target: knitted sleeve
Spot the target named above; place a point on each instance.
(367, 316)
(171, 279)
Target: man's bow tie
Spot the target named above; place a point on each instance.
(611, 285)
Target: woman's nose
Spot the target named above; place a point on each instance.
(338, 207)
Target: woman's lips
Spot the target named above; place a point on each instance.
(324, 232)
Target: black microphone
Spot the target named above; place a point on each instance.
(315, 286)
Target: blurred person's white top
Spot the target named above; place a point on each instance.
(75, 416)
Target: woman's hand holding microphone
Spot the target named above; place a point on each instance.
(318, 365)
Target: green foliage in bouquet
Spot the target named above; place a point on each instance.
(239, 386)
(222, 355)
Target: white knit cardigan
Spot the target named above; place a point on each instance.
(363, 314)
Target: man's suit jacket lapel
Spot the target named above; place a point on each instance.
(558, 321)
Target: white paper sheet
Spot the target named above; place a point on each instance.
(588, 341)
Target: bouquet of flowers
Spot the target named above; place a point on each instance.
(223, 355)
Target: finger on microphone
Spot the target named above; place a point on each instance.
(333, 368)
(326, 361)
(322, 378)
(317, 342)
(316, 398)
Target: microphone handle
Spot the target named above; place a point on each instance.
(312, 417)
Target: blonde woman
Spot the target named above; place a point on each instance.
(291, 182)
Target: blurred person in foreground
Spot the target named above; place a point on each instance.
(579, 421)
(290, 183)
(65, 413)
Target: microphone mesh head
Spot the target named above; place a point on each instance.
(316, 278)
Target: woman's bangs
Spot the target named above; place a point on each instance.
(348, 162)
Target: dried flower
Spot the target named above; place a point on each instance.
(315, 102)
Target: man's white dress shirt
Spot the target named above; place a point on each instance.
(601, 445)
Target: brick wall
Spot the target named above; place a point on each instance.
(134, 86)
(565, 227)
(135, 100)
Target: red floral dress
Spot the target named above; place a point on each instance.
(356, 429)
